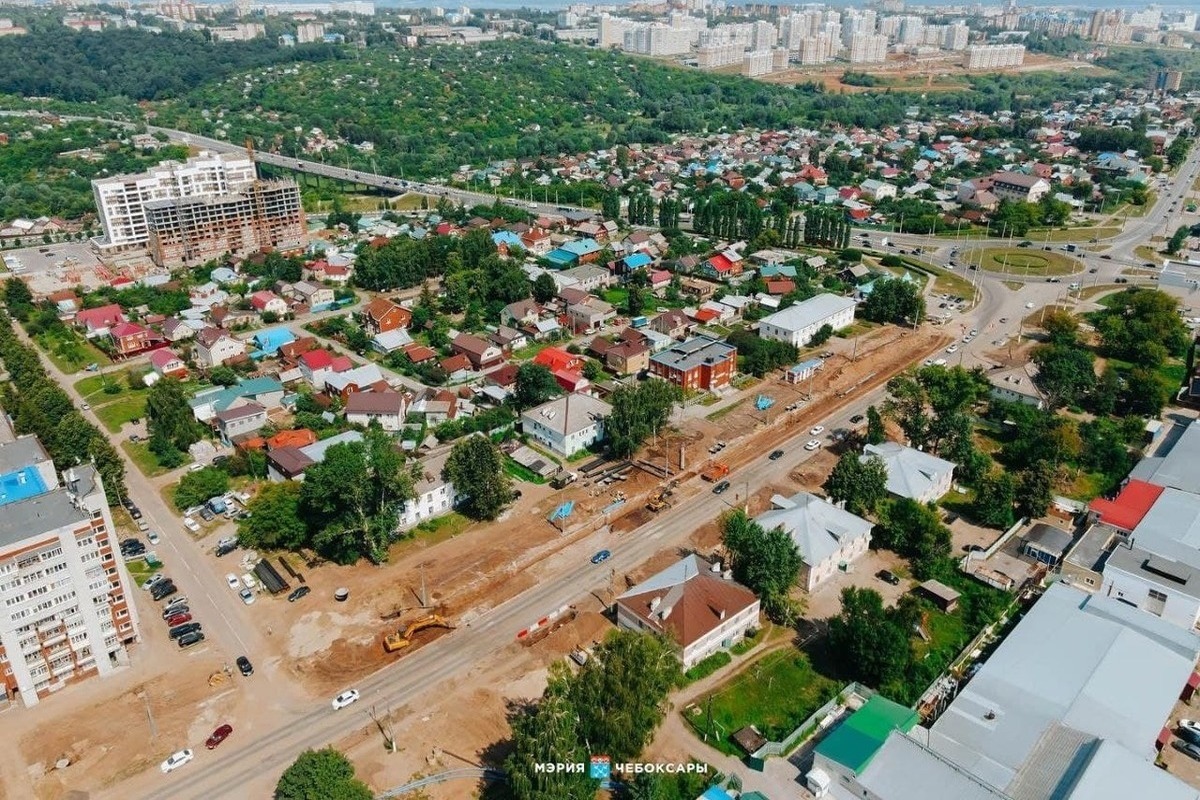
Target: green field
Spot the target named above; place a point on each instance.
(774, 694)
(114, 415)
(1021, 261)
(1073, 234)
(140, 453)
(69, 351)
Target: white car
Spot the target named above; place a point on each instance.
(974, 332)
(248, 581)
(176, 760)
(152, 537)
(191, 524)
(817, 430)
(813, 444)
(1029, 305)
(928, 362)
(345, 698)
(233, 581)
(952, 349)
(247, 596)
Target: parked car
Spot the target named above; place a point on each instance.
(189, 639)
(1189, 735)
(218, 736)
(134, 512)
(721, 487)
(180, 630)
(244, 666)
(857, 418)
(1190, 725)
(178, 619)
(952, 349)
(191, 524)
(224, 549)
(152, 537)
(297, 593)
(1187, 748)
(345, 698)
(233, 581)
(775, 455)
(176, 760)
(888, 576)
(206, 515)
(247, 596)
(172, 611)
(812, 444)
(154, 580)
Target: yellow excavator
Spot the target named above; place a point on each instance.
(398, 641)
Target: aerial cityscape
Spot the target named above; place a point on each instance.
(653, 401)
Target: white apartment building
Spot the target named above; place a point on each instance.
(67, 613)
(763, 36)
(434, 494)
(757, 63)
(995, 56)
(719, 55)
(797, 324)
(868, 48)
(657, 39)
(121, 199)
(955, 37)
(310, 32)
(814, 50)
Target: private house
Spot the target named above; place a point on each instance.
(589, 278)
(271, 340)
(829, 538)
(97, 321)
(313, 295)
(536, 242)
(384, 408)
(693, 604)
(289, 463)
(797, 324)
(628, 357)
(589, 314)
(316, 366)
(207, 403)
(673, 323)
(239, 421)
(877, 190)
(457, 367)
(434, 495)
(390, 341)
(168, 365)
(129, 338)
(178, 330)
(722, 266)
(481, 353)
(522, 312)
(382, 315)
(268, 303)
(343, 384)
(567, 424)
(700, 363)
(912, 473)
(1017, 385)
(215, 347)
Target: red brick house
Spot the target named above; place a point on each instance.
(129, 338)
(699, 363)
(382, 315)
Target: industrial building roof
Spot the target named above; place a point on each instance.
(813, 311)
(856, 741)
(1177, 469)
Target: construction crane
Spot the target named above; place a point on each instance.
(398, 641)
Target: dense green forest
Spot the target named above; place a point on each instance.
(430, 110)
(84, 67)
(36, 179)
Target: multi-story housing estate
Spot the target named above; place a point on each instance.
(67, 612)
(995, 56)
(121, 199)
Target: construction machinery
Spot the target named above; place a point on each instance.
(658, 501)
(398, 641)
(562, 479)
(715, 471)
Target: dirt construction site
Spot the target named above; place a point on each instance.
(459, 572)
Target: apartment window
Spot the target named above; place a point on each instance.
(55, 553)
(1157, 595)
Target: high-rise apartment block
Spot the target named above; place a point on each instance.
(121, 199)
(868, 48)
(995, 56)
(67, 611)
(757, 63)
(1165, 80)
(191, 230)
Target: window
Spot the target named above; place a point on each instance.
(1157, 595)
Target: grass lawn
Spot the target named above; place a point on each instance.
(530, 350)
(1146, 252)
(523, 473)
(412, 202)
(430, 532)
(774, 694)
(721, 412)
(1088, 292)
(140, 454)
(1072, 234)
(945, 281)
(125, 409)
(1022, 261)
(1085, 486)
(140, 571)
(69, 351)
(944, 630)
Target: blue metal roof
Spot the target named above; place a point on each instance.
(637, 260)
(582, 247)
(561, 257)
(271, 339)
(507, 238)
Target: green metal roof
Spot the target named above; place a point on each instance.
(856, 741)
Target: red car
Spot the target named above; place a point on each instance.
(218, 736)
(178, 619)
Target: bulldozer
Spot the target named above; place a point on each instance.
(398, 640)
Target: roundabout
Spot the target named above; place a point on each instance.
(1021, 261)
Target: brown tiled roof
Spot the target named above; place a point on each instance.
(697, 606)
(374, 403)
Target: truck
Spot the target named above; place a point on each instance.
(715, 471)
(562, 479)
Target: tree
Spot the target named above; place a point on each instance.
(1175, 243)
(223, 376)
(548, 732)
(635, 301)
(620, 696)
(1035, 489)
(535, 385)
(859, 483)
(1062, 328)
(867, 643)
(275, 520)
(994, 500)
(169, 417)
(321, 775)
(1066, 374)
(351, 498)
(476, 468)
(638, 412)
(758, 356)
(821, 336)
(894, 300)
(544, 288)
(875, 431)
(914, 531)
(767, 562)
(18, 298)
(200, 486)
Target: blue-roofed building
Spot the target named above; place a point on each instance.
(804, 370)
(25, 470)
(20, 485)
(270, 340)
(266, 392)
(562, 258)
(715, 793)
(777, 271)
(582, 248)
(636, 261)
(506, 238)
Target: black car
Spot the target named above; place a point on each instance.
(721, 487)
(244, 666)
(1189, 735)
(162, 590)
(130, 542)
(135, 512)
(1188, 749)
(180, 630)
(297, 593)
(189, 639)
(775, 455)
(225, 549)
(1106, 257)
(857, 418)
(888, 576)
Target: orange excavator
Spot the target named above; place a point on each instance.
(398, 641)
